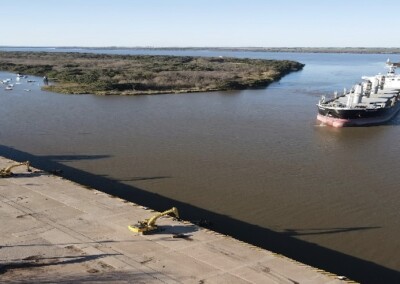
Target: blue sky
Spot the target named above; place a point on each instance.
(235, 23)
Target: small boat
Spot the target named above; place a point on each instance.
(9, 88)
(374, 101)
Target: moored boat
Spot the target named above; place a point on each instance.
(374, 101)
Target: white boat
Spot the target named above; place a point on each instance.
(374, 101)
(9, 88)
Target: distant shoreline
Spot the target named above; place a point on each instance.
(352, 50)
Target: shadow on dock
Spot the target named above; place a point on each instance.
(283, 243)
(38, 261)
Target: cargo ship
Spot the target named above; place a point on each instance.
(375, 100)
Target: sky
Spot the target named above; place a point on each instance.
(200, 23)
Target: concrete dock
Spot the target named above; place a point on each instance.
(54, 230)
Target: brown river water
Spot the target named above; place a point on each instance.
(253, 163)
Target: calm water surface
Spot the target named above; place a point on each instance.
(254, 157)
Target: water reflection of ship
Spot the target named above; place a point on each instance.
(374, 101)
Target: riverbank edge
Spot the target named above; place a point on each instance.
(35, 196)
(54, 87)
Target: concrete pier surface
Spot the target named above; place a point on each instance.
(53, 230)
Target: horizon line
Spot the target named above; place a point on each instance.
(195, 47)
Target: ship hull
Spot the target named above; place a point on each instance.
(374, 101)
(355, 117)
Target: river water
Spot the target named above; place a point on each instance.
(255, 163)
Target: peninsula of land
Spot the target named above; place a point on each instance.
(103, 74)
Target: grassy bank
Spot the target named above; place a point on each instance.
(82, 73)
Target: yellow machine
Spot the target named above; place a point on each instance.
(6, 172)
(149, 225)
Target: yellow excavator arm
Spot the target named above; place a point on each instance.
(6, 172)
(150, 224)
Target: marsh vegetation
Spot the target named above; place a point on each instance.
(102, 74)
